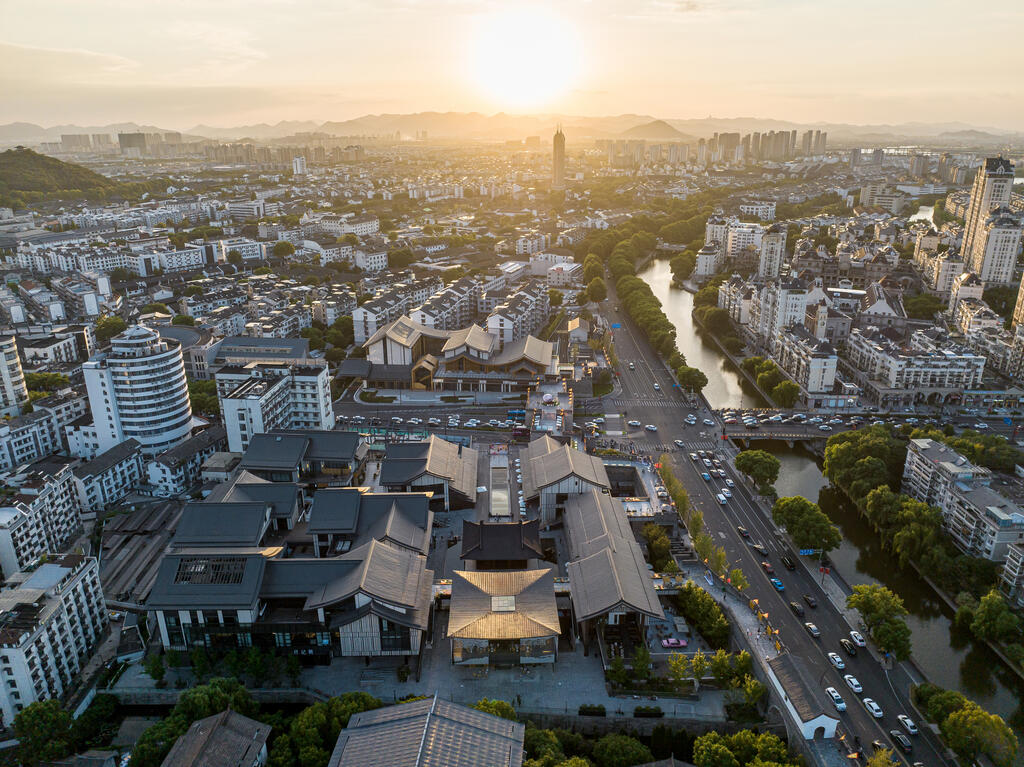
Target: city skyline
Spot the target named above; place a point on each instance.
(311, 61)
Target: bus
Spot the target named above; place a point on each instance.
(516, 414)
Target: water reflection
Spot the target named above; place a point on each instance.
(947, 655)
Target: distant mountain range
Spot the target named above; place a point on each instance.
(501, 126)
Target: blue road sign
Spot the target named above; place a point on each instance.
(806, 552)
(616, 325)
(1008, 421)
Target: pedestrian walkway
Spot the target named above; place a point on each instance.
(646, 402)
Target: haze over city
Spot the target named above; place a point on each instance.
(234, 63)
(450, 383)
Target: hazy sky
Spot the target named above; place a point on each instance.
(230, 62)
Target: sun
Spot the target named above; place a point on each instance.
(524, 57)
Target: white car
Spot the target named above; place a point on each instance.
(651, 427)
(396, 419)
(873, 708)
(599, 419)
(634, 422)
(730, 483)
(708, 422)
(416, 421)
(851, 682)
(726, 492)
(857, 639)
(981, 426)
(908, 724)
(835, 660)
(837, 699)
(679, 443)
(434, 421)
(657, 387)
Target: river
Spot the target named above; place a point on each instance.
(947, 656)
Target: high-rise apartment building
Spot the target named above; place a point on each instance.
(13, 391)
(137, 390)
(299, 165)
(992, 186)
(993, 254)
(558, 160)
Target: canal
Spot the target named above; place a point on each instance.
(948, 657)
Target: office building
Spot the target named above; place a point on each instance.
(558, 160)
(137, 390)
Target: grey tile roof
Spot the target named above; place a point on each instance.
(549, 462)
(283, 497)
(204, 440)
(227, 739)
(429, 733)
(501, 540)
(221, 524)
(384, 572)
(472, 608)
(107, 460)
(606, 568)
(404, 519)
(275, 451)
(211, 581)
(437, 457)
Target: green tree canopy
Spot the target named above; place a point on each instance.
(43, 729)
(281, 249)
(785, 394)
(808, 525)
(496, 707)
(597, 290)
(107, 327)
(615, 750)
(760, 465)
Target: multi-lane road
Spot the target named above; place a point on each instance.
(665, 408)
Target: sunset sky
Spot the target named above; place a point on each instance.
(228, 62)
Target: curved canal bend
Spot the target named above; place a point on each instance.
(948, 656)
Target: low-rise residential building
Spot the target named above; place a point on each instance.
(931, 468)
(227, 738)
(42, 514)
(176, 470)
(108, 477)
(51, 620)
(262, 396)
(810, 361)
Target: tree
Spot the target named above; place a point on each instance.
(679, 669)
(183, 319)
(712, 750)
(614, 750)
(555, 297)
(806, 523)
(155, 667)
(617, 672)
(156, 306)
(107, 327)
(971, 731)
(43, 729)
(698, 667)
(496, 707)
(785, 394)
(993, 619)
(881, 758)
(281, 249)
(721, 667)
(642, 663)
(691, 379)
(399, 258)
(760, 465)
(738, 579)
(47, 382)
(597, 290)
(883, 613)
(923, 306)
(235, 258)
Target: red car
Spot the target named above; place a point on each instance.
(767, 567)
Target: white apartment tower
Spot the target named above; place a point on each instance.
(13, 392)
(50, 622)
(992, 187)
(138, 390)
(994, 252)
(773, 252)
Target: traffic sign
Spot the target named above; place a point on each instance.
(1008, 421)
(807, 552)
(616, 326)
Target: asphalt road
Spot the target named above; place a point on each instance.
(666, 410)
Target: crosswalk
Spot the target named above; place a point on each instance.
(646, 402)
(691, 446)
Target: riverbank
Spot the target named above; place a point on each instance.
(729, 356)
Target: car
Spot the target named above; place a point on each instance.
(707, 462)
(760, 549)
(416, 421)
(813, 630)
(901, 740)
(726, 492)
(694, 457)
(811, 601)
(852, 683)
(657, 387)
(908, 724)
(705, 476)
(396, 419)
(877, 745)
(824, 427)
(744, 533)
(651, 427)
(797, 608)
(434, 421)
(873, 708)
(857, 639)
(632, 366)
(679, 443)
(599, 419)
(981, 426)
(767, 567)
(837, 699)
(730, 483)
(709, 422)
(848, 646)
(787, 562)
(816, 419)
(673, 642)
(634, 422)
(777, 584)
(835, 660)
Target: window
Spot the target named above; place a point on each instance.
(393, 637)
